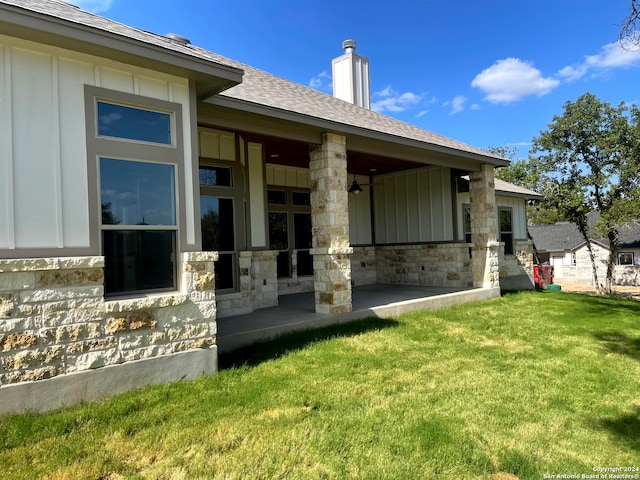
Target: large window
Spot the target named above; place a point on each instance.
(138, 225)
(221, 217)
(506, 229)
(290, 230)
(135, 153)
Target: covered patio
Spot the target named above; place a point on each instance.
(296, 312)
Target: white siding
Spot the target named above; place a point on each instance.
(43, 160)
(414, 206)
(518, 207)
(284, 176)
(360, 213)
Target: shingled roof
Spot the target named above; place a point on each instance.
(565, 236)
(274, 95)
(262, 88)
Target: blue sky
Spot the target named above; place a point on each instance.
(488, 73)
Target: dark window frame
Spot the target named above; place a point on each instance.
(291, 209)
(506, 236)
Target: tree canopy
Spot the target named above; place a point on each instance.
(590, 159)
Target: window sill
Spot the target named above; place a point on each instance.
(157, 300)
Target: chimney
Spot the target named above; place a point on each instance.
(351, 76)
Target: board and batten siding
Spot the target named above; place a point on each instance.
(414, 206)
(44, 193)
(517, 205)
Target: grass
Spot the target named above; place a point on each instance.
(525, 385)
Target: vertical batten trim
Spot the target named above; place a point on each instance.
(96, 75)
(7, 135)
(57, 161)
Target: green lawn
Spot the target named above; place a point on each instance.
(525, 385)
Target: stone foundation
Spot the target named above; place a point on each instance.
(258, 285)
(55, 322)
(516, 271)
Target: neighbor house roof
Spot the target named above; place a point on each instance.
(59, 23)
(509, 189)
(565, 236)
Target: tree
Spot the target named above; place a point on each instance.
(527, 174)
(630, 27)
(591, 157)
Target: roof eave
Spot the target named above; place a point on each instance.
(210, 77)
(280, 114)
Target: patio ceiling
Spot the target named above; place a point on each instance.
(296, 154)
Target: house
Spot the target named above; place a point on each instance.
(563, 246)
(149, 188)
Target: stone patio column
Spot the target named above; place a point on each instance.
(484, 232)
(330, 225)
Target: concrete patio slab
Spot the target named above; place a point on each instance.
(296, 312)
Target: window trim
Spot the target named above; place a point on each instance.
(290, 209)
(139, 151)
(235, 192)
(509, 232)
(633, 259)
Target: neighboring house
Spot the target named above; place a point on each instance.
(149, 187)
(563, 246)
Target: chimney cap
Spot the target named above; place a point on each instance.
(349, 46)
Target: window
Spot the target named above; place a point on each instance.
(625, 258)
(221, 217)
(506, 229)
(131, 123)
(290, 231)
(138, 225)
(466, 223)
(134, 146)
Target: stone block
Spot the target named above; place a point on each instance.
(205, 281)
(69, 278)
(143, 319)
(58, 294)
(93, 359)
(72, 333)
(12, 325)
(6, 305)
(145, 303)
(17, 281)
(58, 318)
(33, 358)
(31, 375)
(18, 341)
(146, 352)
(92, 345)
(193, 344)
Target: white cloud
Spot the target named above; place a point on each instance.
(612, 55)
(95, 6)
(475, 106)
(512, 79)
(457, 104)
(393, 101)
(422, 113)
(322, 81)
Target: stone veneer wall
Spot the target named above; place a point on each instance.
(258, 284)
(516, 271)
(443, 264)
(295, 283)
(54, 320)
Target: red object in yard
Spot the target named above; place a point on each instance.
(543, 275)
